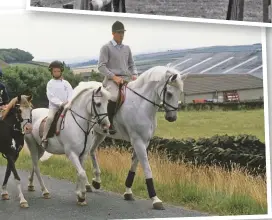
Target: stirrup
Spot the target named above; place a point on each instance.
(112, 130)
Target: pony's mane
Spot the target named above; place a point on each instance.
(156, 74)
(84, 86)
(24, 103)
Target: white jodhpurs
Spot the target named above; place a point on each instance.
(50, 118)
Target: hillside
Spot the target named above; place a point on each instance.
(15, 55)
(213, 60)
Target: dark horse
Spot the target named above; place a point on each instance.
(11, 129)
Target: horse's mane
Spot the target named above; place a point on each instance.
(24, 103)
(156, 74)
(84, 86)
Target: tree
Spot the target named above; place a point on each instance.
(25, 80)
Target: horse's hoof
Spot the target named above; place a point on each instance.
(5, 196)
(81, 201)
(24, 205)
(158, 206)
(46, 195)
(96, 185)
(128, 197)
(31, 188)
(88, 188)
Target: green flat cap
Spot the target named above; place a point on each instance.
(118, 26)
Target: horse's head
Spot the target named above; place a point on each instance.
(170, 92)
(98, 107)
(25, 105)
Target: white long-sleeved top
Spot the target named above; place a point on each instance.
(58, 91)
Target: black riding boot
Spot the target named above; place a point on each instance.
(111, 110)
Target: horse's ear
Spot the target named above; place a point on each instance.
(29, 98)
(98, 90)
(184, 76)
(19, 99)
(174, 77)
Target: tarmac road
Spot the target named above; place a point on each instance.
(62, 205)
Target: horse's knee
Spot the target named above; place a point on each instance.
(82, 175)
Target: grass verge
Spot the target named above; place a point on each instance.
(208, 189)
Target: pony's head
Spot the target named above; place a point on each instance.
(23, 103)
(98, 98)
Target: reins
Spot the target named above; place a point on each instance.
(164, 90)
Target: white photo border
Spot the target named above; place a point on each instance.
(146, 16)
(265, 84)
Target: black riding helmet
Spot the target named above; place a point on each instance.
(56, 64)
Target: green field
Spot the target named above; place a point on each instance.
(209, 189)
(31, 64)
(208, 123)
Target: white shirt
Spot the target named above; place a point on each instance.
(58, 91)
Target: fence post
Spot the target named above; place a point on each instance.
(236, 10)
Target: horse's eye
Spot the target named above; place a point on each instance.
(169, 95)
(98, 104)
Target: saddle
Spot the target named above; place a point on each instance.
(56, 124)
(121, 96)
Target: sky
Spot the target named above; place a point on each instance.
(48, 36)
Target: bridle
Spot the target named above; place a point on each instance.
(28, 120)
(163, 92)
(96, 119)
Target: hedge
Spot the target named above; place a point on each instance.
(226, 106)
(246, 151)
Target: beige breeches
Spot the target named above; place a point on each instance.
(112, 87)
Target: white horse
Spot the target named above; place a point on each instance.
(87, 107)
(136, 122)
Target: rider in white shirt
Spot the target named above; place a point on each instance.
(59, 92)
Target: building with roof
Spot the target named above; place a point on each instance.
(199, 88)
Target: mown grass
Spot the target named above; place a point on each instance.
(208, 189)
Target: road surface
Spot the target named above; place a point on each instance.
(62, 205)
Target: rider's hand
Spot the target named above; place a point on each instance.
(63, 104)
(118, 80)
